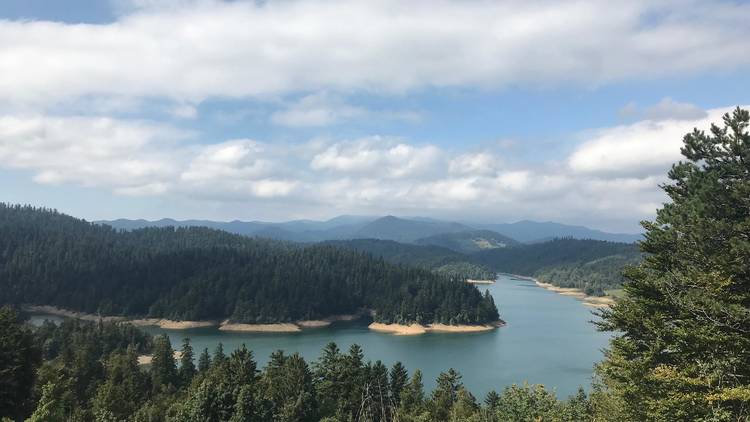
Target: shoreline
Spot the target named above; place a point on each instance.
(587, 300)
(169, 324)
(471, 281)
(418, 329)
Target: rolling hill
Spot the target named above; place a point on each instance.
(469, 241)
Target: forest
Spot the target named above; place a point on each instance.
(86, 371)
(593, 266)
(193, 273)
(436, 258)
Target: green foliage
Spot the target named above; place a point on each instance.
(18, 358)
(187, 370)
(469, 241)
(194, 273)
(590, 265)
(449, 263)
(163, 367)
(338, 387)
(682, 332)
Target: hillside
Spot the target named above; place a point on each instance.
(534, 232)
(405, 230)
(469, 241)
(436, 258)
(191, 273)
(591, 265)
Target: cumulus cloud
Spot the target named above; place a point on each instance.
(381, 157)
(612, 176)
(189, 51)
(643, 148)
(90, 151)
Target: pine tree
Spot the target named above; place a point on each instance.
(219, 357)
(18, 360)
(399, 376)
(683, 328)
(187, 367)
(412, 398)
(49, 409)
(204, 361)
(163, 367)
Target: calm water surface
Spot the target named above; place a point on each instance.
(548, 340)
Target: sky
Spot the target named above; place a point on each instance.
(470, 110)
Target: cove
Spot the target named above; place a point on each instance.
(548, 340)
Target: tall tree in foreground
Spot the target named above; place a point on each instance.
(18, 359)
(682, 345)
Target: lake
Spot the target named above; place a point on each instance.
(548, 340)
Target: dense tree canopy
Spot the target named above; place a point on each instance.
(198, 273)
(95, 376)
(590, 265)
(682, 345)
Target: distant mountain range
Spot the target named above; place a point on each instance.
(460, 237)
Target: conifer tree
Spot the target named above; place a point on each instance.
(682, 331)
(204, 361)
(187, 367)
(18, 358)
(398, 378)
(163, 367)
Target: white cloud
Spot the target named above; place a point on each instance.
(642, 148)
(378, 157)
(611, 178)
(184, 111)
(88, 151)
(482, 163)
(188, 51)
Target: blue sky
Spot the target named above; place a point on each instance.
(467, 110)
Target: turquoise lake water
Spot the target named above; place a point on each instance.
(548, 340)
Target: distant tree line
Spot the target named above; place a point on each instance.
(94, 375)
(590, 265)
(195, 273)
(439, 259)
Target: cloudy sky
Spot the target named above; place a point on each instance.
(273, 110)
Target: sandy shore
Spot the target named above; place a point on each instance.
(417, 329)
(287, 327)
(325, 322)
(169, 324)
(593, 301)
(470, 281)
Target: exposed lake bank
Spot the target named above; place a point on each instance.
(281, 327)
(548, 340)
(417, 329)
(587, 300)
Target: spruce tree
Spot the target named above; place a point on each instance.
(398, 379)
(163, 367)
(18, 360)
(682, 331)
(187, 367)
(204, 361)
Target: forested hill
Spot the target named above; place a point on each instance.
(436, 258)
(591, 265)
(199, 273)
